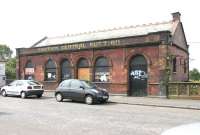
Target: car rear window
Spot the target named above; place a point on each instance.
(33, 83)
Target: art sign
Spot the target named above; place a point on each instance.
(138, 74)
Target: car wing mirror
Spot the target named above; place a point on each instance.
(82, 87)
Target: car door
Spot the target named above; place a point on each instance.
(10, 89)
(20, 85)
(77, 90)
(64, 88)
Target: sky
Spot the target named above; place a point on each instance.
(24, 22)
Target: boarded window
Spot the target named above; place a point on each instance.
(83, 69)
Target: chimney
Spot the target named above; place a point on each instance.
(176, 16)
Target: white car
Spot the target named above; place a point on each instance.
(23, 88)
(188, 129)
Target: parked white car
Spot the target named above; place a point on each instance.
(188, 129)
(23, 88)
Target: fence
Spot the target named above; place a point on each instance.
(189, 90)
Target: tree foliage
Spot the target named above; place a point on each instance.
(195, 75)
(5, 52)
(11, 68)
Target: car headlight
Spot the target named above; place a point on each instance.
(96, 91)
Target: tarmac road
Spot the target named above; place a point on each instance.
(45, 116)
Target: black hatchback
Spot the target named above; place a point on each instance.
(80, 90)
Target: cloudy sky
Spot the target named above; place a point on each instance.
(24, 22)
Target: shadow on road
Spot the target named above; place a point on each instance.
(5, 113)
(99, 104)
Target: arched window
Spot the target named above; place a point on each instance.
(83, 63)
(174, 64)
(29, 71)
(65, 70)
(102, 70)
(83, 69)
(50, 71)
(185, 66)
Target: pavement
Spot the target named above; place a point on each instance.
(149, 101)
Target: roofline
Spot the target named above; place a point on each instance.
(35, 44)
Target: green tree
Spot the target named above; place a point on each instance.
(195, 75)
(11, 68)
(5, 52)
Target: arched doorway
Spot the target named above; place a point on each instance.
(83, 69)
(138, 76)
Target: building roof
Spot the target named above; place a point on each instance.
(130, 31)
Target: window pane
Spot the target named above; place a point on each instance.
(65, 70)
(102, 62)
(102, 70)
(65, 84)
(75, 84)
(65, 64)
(50, 64)
(29, 64)
(50, 71)
(83, 63)
(174, 65)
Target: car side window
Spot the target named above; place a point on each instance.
(19, 83)
(13, 83)
(75, 84)
(65, 84)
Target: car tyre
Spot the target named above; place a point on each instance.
(39, 96)
(3, 93)
(59, 97)
(89, 99)
(23, 94)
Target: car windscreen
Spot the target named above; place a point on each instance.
(88, 84)
(33, 83)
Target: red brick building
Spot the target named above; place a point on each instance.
(135, 60)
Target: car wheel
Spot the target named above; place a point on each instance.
(39, 96)
(89, 99)
(4, 93)
(59, 97)
(23, 94)
(104, 101)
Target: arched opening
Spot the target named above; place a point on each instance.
(50, 70)
(65, 70)
(102, 70)
(138, 76)
(83, 69)
(29, 71)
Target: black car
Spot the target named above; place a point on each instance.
(80, 90)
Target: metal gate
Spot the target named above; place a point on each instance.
(138, 76)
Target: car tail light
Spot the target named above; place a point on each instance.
(29, 87)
